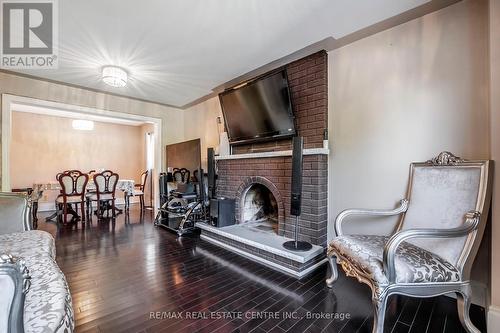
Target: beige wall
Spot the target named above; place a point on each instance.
(200, 121)
(53, 146)
(404, 95)
(494, 34)
(172, 118)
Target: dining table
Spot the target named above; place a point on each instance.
(124, 185)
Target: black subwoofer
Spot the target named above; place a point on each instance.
(222, 212)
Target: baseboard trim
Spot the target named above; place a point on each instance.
(493, 319)
(50, 206)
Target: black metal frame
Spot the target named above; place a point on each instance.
(195, 211)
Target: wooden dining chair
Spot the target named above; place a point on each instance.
(105, 184)
(138, 191)
(73, 185)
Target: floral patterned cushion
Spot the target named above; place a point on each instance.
(413, 264)
(48, 304)
(28, 243)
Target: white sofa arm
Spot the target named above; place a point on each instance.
(14, 283)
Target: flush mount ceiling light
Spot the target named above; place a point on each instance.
(83, 125)
(114, 76)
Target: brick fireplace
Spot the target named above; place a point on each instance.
(258, 177)
(237, 175)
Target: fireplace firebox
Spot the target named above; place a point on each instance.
(259, 209)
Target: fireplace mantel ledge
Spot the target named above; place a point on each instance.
(312, 151)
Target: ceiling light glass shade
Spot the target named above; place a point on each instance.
(114, 76)
(83, 125)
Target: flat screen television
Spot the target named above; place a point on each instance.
(259, 110)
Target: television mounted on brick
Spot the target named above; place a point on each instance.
(259, 110)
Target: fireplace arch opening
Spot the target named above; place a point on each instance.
(259, 208)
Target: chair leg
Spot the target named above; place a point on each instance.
(58, 213)
(141, 200)
(379, 305)
(463, 304)
(113, 207)
(65, 213)
(83, 211)
(334, 273)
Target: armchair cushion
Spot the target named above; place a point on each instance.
(413, 264)
(28, 243)
(440, 197)
(48, 305)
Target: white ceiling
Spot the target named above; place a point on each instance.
(177, 51)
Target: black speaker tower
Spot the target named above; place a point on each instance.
(211, 172)
(296, 197)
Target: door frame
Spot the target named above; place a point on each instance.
(9, 103)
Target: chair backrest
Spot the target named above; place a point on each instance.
(105, 182)
(440, 192)
(14, 213)
(73, 183)
(144, 178)
(181, 175)
(177, 176)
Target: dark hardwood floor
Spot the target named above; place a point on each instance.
(129, 276)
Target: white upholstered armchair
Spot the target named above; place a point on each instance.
(431, 253)
(14, 276)
(34, 295)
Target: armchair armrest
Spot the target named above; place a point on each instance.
(403, 206)
(471, 224)
(14, 283)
